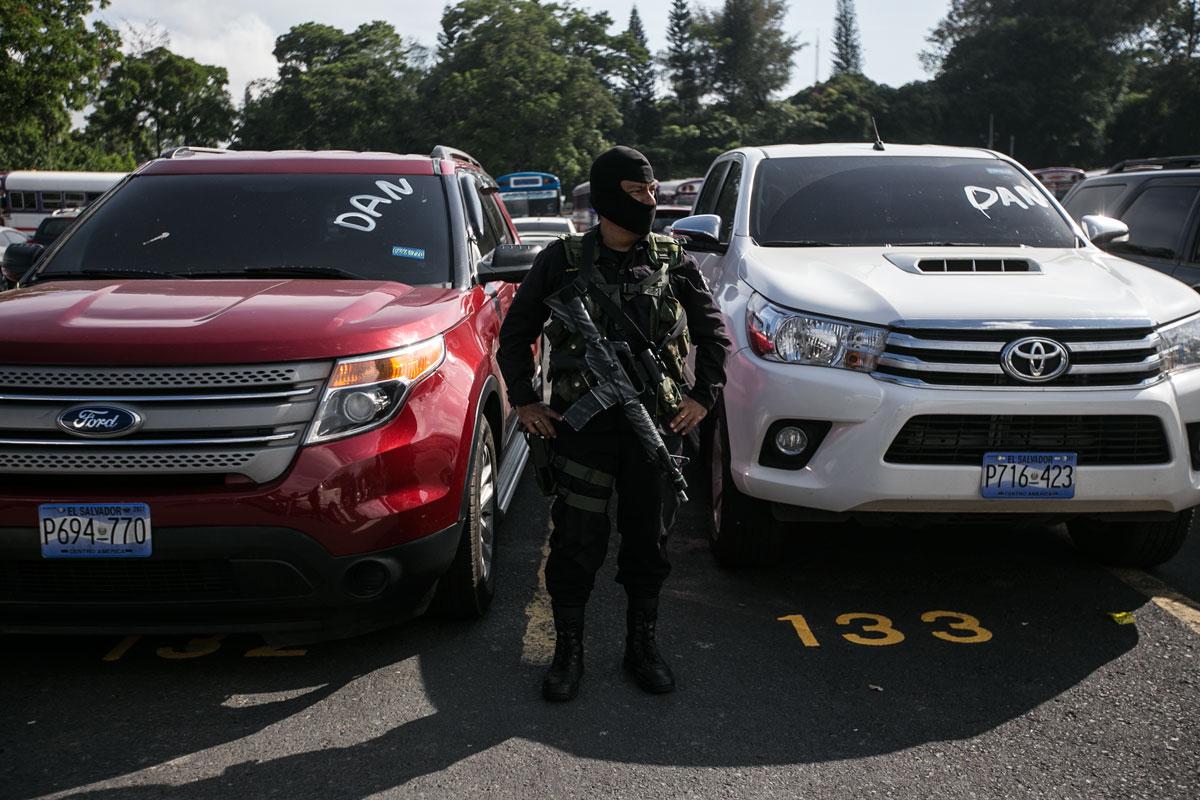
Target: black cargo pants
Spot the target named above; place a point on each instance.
(589, 467)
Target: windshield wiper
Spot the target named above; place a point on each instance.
(115, 272)
(801, 243)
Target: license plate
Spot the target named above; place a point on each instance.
(94, 530)
(1029, 475)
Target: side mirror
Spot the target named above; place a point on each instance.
(18, 259)
(509, 262)
(702, 230)
(470, 193)
(1103, 230)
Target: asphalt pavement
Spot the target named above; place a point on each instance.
(962, 662)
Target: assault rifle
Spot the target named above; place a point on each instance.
(603, 359)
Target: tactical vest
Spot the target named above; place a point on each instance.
(649, 302)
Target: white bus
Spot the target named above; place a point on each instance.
(27, 197)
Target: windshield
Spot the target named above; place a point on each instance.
(876, 201)
(379, 227)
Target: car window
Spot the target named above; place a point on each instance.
(1100, 200)
(379, 227)
(707, 200)
(492, 223)
(728, 198)
(902, 200)
(1156, 221)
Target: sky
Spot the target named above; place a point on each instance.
(240, 34)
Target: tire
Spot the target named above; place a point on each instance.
(1132, 544)
(741, 530)
(467, 588)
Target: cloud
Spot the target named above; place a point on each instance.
(242, 45)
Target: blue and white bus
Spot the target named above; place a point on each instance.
(531, 194)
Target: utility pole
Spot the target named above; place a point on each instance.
(817, 60)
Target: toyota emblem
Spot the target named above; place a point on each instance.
(1034, 359)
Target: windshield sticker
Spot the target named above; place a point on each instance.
(364, 218)
(417, 253)
(983, 198)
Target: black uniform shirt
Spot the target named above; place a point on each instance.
(529, 312)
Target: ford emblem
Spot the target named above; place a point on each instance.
(1034, 359)
(99, 422)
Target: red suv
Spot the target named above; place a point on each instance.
(258, 391)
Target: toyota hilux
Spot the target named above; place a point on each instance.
(923, 334)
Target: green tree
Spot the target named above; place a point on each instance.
(1048, 75)
(51, 63)
(847, 48)
(840, 109)
(682, 58)
(637, 86)
(338, 90)
(160, 99)
(751, 54)
(1160, 113)
(525, 85)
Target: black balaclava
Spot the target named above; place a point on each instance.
(610, 200)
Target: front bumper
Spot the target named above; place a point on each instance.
(848, 473)
(222, 579)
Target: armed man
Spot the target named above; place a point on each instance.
(626, 305)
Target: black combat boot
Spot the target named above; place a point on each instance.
(562, 681)
(642, 659)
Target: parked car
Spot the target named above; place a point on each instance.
(53, 226)
(543, 230)
(1157, 199)
(1059, 180)
(10, 236)
(922, 334)
(294, 427)
(667, 215)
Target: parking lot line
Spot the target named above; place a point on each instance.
(1163, 596)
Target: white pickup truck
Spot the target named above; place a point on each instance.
(923, 334)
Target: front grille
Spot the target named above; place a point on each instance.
(1109, 440)
(238, 422)
(114, 579)
(971, 358)
(123, 461)
(145, 377)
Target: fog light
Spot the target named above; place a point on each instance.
(791, 441)
(367, 578)
(363, 405)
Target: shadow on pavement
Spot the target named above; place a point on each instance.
(751, 692)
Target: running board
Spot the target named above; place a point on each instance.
(511, 467)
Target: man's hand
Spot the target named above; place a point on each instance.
(538, 418)
(689, 416)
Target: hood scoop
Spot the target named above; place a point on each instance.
(924, 265)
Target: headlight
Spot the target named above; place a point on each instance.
(367, 391)
(1180, 346)
(778, 334)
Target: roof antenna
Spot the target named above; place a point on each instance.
(878, 142)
